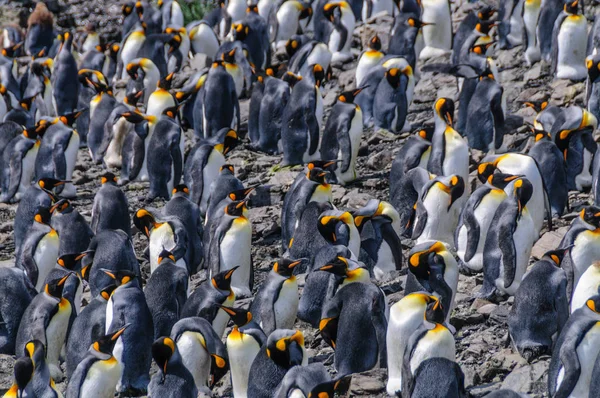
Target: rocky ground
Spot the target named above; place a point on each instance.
(483, 351)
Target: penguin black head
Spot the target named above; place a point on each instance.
(240, 32)
(306, 12)
(165, 83)
(328, 224)
(320, 164)
(572, 7)
(444, 109)
(174, 43)
(593, 303)
(455, 188)
(591, 215)
(324, 390)
(181, 188)
(484, 27)
(114, 50)
(252, 8)
(541, 135)
(222, 281)
(23, 372)
(61, 206)
(556, 256)
(485, 170)
(239, 316)
(417, 23)
(349, 96)
(162, 351)
(126, 9)
(419, 257)
(319, 75)
(94, 80)
(317, 175)
(121, 276)
(486, 13)
(291, 78)
(285, 266)
(218, 63)
(501, 180)
(227, 168)
(240, 194)
(171, 112)
(35, 350)
(55, 287)
(328, 10)
(229, 56)
(426, 133)
(230, 141)
(166, 255)
(218, 368)
(339, 266)
(139, 8)
(236, 209)
(375, 43)
(50, 183)
(593, 67)
(537, 106)
(12, 51)
(72, 262)
(435, 311)
(134, 117)
(145, 221)
(108, 291)
(107, 342)
(27, 102)
(43, 216)
(108, 178)
(132, 70)
(481, 48)
(523, 191)
(393, 77)
(291, 47)
(285, 347)
(70, 118)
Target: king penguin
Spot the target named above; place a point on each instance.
(569, 42)
(438, 35)
(64, 78)
(173, 379)
(111, 207)
(19, 292)
(369, 58)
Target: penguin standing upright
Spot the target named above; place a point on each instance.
(19, 292)
(406, 316)
(73, 230)
(111, 208)
(541, 307)
(127, 305)
(243, 344)
(202, 351)
(575, 353)
(508, 243)
(173, 379)
(101, 106)
(310, 187)
(130, 45)
(368, 59)
(550, 9)
(230, 247)
(341, 137)
(301, 120)
(342, 18)
(449, 151)
(40, 30)
(593, 85)
(359, 347)
(283, 350)
(224, 113)
(203, 40)
(476, 218)
(39, 252)
(531, 15)
(276, 303)
(438, 35)
(98, 372)
(569, 42)
(288, 16)
(34, 378)
(64, 78)
(392, 99)
(47, 319)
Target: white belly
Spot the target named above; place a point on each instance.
(355, 133)
(205, 42)
(320, 55)
(209, 175)
(287, 19)
(112, 157)
(241, 350)
(438, 37)
(530, 18)
(69, 190)
(440, 222)
(586, 287)
(587, 352)
(160, 238)
(515, 36)
(109, 316)
(235, 251)
(101, 380)
(286, 306)
(585, 252)
(237, 10)
(27, 168)
(221, 319)
(584, 180)
(118, 354)
(45, 256)
(572, 43)
(195, 357)
(56, 334)
(434, 345)
(129, 53)
(456, 159)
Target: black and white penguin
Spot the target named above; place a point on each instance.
(569, 42)
(550, 9)
(304, 56)
(287, 16)
(111, 207)
(587, 286)
(390, 106)
(224, 112)
(173, 379)
(509, 242)
(203, 39)
(343, 20)
(130, 45)
(541, 307)
(18, 292)
(438, 35)
(73, 230)
(303, 381)
(65, 86)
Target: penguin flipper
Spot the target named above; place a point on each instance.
(60, 163)
(393, 241)
(177, 159)
(15, 175)
(345, 142)
(554, 48)
(421, 220)
(313, 132)
(509, 255)
(473, 231)
(571, 365)
(27, 262)
(329, 321)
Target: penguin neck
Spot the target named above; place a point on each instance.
(359, 275)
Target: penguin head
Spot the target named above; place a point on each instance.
(593, 303)
(555, 256)
(48, 184)
(239, 316)
(444, 110)
(72, 262)
(69, 118)
(291, 78)
(127, 8)
(121, 277)
(417, 23)
(55, 287)
(484, 27)
(541, 135)
(163, 350)
(165, 83)
(374, 208)
(43, 216)
(166, 255)
(335, 224)
(501, 180)
(139, 8)
(227, 169)
(325, 390)
(285, 266)
(26, 103)
(318, 74)
(420, 257)
(252, 9)
(349, 96)
(317, 175)
(339, 266)
(593, 66)
(485, 170)
(453, 185)
(591, 215)
(218, 368)
(36, 351)
(375, 43)
(222, 280)
(292, 46)
(135, 117)
(108, 178)
(393, 77)
(329, 11)
(113, 50)
(12, 51)
(229, 139)
(94, 80)
(23, 373)
(522, 191)
(286, 347)
(481, 47)
(229, 56)
(236, 208)
(171, 112)
(132, 69)
(145, 221)
(240, 194)
(426, 133)
(486, 13)
(434, 312)
(571, 7)
(537, 106)
(321, 164)
(108, 291)
(181, 189)
(174, 43)
(62, 206)
(107, 342)
(240, 32)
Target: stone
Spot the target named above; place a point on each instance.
(478, 303)
(380, 160)
(487, 309)
(368, 383)
(355, 199)
(548, 241)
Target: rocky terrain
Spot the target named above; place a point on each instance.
(483, 348)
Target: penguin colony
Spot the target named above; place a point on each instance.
(460, 201)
